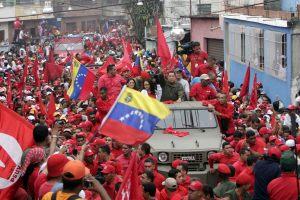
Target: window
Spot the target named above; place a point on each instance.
(83, 26)
(188, 119)
(275, 54)
(254, 39)
(71, 27)
(2, 34)
(235, 42)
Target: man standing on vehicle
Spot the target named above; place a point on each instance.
(202, 91)
(224, 111)
(197, 58)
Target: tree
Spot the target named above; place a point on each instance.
(143, 16)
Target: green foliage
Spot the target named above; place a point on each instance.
(143, 16)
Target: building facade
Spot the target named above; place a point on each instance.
(268, 46)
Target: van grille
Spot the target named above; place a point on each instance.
(196, 157)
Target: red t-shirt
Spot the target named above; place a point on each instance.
(284, 187)
(205, 69)
(222, 158)
(197, 60)
(239, 166)
(31, 180)
(250, 173)
(123, 162)
(201, 93)
(110, 188)
(158, 179)
(258, 147)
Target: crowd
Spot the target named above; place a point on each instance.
(72, 160)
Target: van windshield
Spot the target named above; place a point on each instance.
(188, 119)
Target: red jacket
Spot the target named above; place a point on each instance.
(258, 147)
(222, 158)
(284, 187)
(201, 93)
(103, 107)
(112, 83)
(158, 179)
(239, 166)
(226, 111)
(249, 172)
(141, 168)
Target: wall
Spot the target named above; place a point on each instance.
(78, 21)
(4, 27)
(274, 87)
(201, 29)
(289, 5)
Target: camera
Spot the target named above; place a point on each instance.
(187, 48)
(87, 184)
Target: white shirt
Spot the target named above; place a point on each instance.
(287, 120)
(186, 87)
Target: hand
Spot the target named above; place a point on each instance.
(95, 184)
(63, 149)
(212, 170)
(55, 129)
(178, 100)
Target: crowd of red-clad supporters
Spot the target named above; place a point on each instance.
(72, 160)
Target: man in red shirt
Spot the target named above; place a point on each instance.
(170, 191)
(112, 81)
(241, 164)
(197, 58)
(251, 160)
(256, 145)
(124, 159)
(111, 179)
(202, 91)
(285, 186)
(183, 168)
(149, 165)
(144, 153)
(227, 156)
(210, 66)
(224, 111)
(104, 103)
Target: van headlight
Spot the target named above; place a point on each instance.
(163, 157)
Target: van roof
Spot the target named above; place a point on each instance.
(187, 105)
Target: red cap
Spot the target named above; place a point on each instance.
(176, 162)
(88, 124)
(284, 148)
(99, 141)
(145, 75)
(196, 186)
(243, 179)
(89, 153)
(55, 164)
(264, 131)
(274, 151)
(108, 169)
(292, 107)
(75, 170)
(224, 169)
(89, 110)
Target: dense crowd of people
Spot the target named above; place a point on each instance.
(72, 160)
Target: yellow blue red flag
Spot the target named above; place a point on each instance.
(82, 81)
(133, 117)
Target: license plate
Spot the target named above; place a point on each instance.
(188, 158)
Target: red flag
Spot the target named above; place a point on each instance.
(9, 94)
(15, 137)
(125, 60)
(109, 61)
(245, 88)
(130, 188)
(41, 104)
(25, 74)
(129, 47)
(35, 69)
(163, 50)
(51, 108)
(225, 86)
(53, 71)
(253, 98)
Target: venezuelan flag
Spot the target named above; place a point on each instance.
(82, 81)
(133, 117)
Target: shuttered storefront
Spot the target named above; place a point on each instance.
(215, 48)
